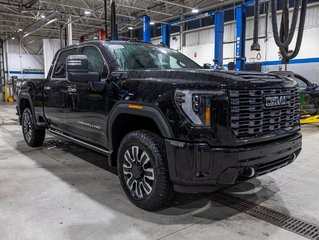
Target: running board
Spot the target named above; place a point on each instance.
(82, 143)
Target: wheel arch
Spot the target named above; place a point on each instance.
(128, 117)
(23, 103)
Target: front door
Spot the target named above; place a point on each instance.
(56, 93)
(89, 102)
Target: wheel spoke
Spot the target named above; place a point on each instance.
(149, 173)
(146, 186)
(127, 168)
(128, 157)
(135, 150)
(138, 191)
(131, 183)
(144, 159)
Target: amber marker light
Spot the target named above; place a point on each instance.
(134, 106)
(208, 116)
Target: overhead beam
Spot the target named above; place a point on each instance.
(144, 9)
(175, 4)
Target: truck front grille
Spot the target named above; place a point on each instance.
(255, 113)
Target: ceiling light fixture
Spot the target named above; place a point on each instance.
(195, 11)
(43, 16)
(87, 12)
(130, 28)
(152, 23)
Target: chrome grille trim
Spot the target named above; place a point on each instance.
(249, 117)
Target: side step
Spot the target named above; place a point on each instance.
(80, 142)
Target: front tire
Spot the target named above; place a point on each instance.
(143, 170)
(32, 136)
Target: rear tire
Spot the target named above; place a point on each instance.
(143, 170)
(32, 136)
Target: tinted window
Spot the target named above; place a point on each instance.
(96, 61)
(138, 56)
(60, 66)
(301, 83)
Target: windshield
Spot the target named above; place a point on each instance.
(138, 56)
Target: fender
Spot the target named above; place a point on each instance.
(145, 110)
(25, 96)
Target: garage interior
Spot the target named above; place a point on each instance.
(61, 190)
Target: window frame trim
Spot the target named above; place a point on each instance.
(56, 61)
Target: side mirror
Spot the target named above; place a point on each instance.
(207, 66)
(77, 69)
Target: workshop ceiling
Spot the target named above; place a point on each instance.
(42, 19)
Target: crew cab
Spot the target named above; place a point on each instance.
(165, 123)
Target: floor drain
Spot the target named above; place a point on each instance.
(279, 219)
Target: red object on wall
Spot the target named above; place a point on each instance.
(102, 34)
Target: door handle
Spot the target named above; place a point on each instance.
(46, 88)
(71, 90)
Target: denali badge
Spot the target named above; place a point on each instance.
(277, 101)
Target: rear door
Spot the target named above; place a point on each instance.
(90, 104)
(56, 92)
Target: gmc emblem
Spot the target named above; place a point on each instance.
(277, 101)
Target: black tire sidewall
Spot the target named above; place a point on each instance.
(146, 145)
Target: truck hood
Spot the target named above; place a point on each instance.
(197, 78)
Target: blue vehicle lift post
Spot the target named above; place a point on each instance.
(166, 35)
(240, 37)
(219, 40)
(146, 28)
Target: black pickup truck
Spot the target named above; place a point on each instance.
(165, 123)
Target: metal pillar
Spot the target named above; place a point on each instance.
(70, 33)
(65, 37)
(166, 35)
(219, 40)
(105, 17)
(61, 36)
(146, 29)
(240, 37)
(2, 69)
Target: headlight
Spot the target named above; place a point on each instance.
(197, 105)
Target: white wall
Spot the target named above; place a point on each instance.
(50, 47)
(20, 62)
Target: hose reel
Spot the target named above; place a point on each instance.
(284, 38)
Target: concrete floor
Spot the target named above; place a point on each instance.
(62, 191)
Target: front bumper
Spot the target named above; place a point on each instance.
(201, 167)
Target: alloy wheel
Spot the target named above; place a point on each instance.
(138, 172)
(27, 127)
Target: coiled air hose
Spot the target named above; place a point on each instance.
(283, 41)
(286, 35)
